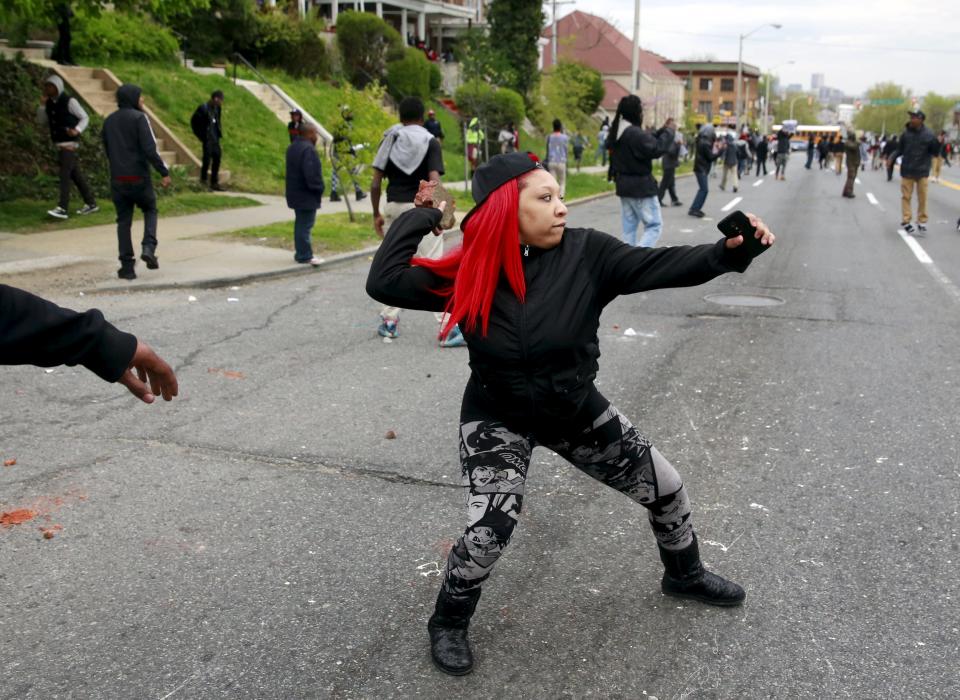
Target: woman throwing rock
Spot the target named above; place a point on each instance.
(528, 293)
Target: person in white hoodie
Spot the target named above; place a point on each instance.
(66, 120)
(407, 154)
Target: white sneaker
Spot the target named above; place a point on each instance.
(88, 209)
(906, 228)
(316, 262)
(921, 229)
(59, 213)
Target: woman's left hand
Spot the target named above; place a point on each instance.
(763, 233)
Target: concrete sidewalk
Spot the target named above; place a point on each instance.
(189, 256)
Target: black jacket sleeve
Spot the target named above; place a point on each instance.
(34, 331)
(312, 171)
(624, 269)
(148, 144)
(199, 123)
(392, 279)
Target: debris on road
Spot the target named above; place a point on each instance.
(17, 517)
(9, 462)
(391, 435)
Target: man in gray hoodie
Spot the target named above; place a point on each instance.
(66, 120)
(131, 149)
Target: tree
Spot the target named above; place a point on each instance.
(42, 11)
(366, 44)
(410, 75)
(805, 108)
(884, 118)
(939, 110)
(514, 34)
(571, 93)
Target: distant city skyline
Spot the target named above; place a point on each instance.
(895, 42)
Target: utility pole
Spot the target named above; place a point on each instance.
(737, 107)
(635, 63)
(553, 30)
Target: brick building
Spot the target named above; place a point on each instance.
(711, 89)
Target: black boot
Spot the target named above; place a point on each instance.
(685, 577)
(449, 646)
(149, 256)
(126, 271)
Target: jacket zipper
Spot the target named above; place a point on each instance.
(526, 251)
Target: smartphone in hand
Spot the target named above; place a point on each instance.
(737, 224)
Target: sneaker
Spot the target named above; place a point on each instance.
(217, 187)
(315, 261)
(334, 197)
(126, 273)
(88, 209)
(360, 195)
(697, 213)
(921, 229)
(907, 227)
(454, 339)
(59, 213)
(734, 189)
(388, 328)
(678, 203)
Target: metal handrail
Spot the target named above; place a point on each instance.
(263, 80)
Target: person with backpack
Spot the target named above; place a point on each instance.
(208, 128)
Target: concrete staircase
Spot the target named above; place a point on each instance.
(98, 88)
(279, 102)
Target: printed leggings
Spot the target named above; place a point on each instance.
(494, 461)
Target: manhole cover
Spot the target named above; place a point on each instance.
(744, 299)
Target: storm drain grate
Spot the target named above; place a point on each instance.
(744, 299)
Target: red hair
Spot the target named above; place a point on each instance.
(491, 245)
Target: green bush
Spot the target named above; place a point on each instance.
(366, 44)
(495, 107)
(436, 78)
(410, 75)
(292, 44)
(112, 35)
(214, 34)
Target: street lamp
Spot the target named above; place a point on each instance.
(740, 66)
(791, 104)
(766, 101)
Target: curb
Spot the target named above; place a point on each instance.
(298, 269)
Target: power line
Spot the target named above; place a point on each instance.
(807, 42)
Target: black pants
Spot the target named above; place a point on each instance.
(126, 196)
(851, 178)
(70, 172)
(495, 457)
(668, 184)
(211, 162)
(761, 163)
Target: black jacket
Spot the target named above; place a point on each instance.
(538, 362)
(433, 126)
(917, 148)
(762, 148)
(704, 157)
(783, 141)
(59, 118)
(34, 331)
(671, 157)
(206, 124)
(632, 160)
(128, 139)
(304, 175)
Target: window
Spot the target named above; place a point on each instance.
(705, 107)
(726, 106)
(706, 83)
(726, 85)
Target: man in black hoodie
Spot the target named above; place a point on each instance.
(131, 149)
(206, 126)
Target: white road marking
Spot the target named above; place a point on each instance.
(857, 180)
(917, 249)
(732, 204)
(873, 200)
(758, 183)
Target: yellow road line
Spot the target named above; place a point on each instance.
(949, 184)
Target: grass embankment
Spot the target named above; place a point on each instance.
(30, 216)
(333, 233)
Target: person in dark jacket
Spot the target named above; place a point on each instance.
(823, 149)
(433, 126)
(66, 120)
(783, 154)
(34, 331)
(632, 150)
(706, 153)
(304, 190)
(917, 147)
(730, 164)
(131, 150)
(529, 293)
(852, 150)
(62, 53)
(811, 149)
(293, 127)
(207, 126)
(669, 163)
(762, 149)
(890, 155)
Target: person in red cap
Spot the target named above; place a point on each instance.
(528, 292)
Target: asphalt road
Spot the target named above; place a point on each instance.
(259, 537)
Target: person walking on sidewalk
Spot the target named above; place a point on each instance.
(706, 153)
(917, 146)
(293, 127)
(304, 190)
(131, 150)
(529, 292)
(407, 154)
(579, 143)
(632, 152)
(783, 154)
(669, 163)
(207, 126)
(557, 143)
(66, 120)
(730, 165)
(852, 149)
(602, 137)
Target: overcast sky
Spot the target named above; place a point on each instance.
(910, 43)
